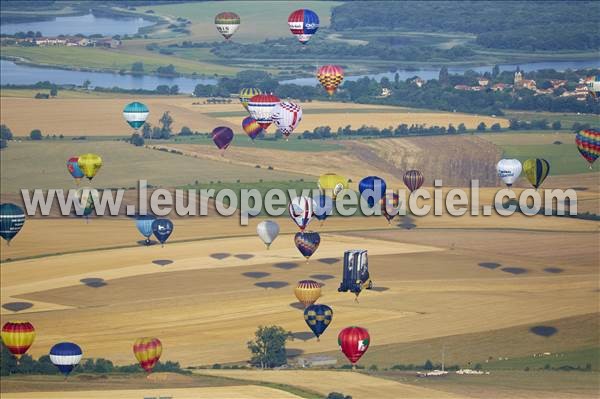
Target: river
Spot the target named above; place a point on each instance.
(87, 24)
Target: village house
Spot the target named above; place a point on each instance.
(483, 81)
(500, 86)
(418, 81)
(556, 83)
(462, 87)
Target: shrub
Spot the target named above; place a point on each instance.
(36, 134)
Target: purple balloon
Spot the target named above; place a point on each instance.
(222, 136)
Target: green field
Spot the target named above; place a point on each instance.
(42, 165)
(567, 120)
(579, 358)
(294, 144)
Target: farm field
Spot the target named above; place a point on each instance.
(566, 119)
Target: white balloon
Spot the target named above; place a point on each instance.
(301, 211)
(286, 116)
(267, 230)
(509, 170)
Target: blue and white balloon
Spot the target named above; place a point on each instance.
(136, 114)
(65, 356)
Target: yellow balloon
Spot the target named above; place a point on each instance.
(89, 164)
(307, 292)
(330, 182)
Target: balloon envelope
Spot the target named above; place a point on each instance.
(73, 168)
(307, 292)
(246, 94)
(303, 24)
(330, 77)
(86, 197)
(65, 356)
(89, 164)
(301, 211)
(147, 351)
(509, 170)
(251, 127)
(322, 206)
(413, 179)
(222, 136)
(307, 242)
(261, 107)
(593, 85)
(372, 189)
(588, 144)
(144, 225)
(389, 206)
(286, 116)
(227, 23)
(354, 342)
(267, 231)
(331, 182)
(135, 114)
(17, 337)
(12, 219)
(536, 171)
(162, 229)
(318, 317)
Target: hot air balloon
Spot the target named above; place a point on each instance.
(162, 229)
(246, 94)
(286, 116)
(588, 144)
(354, 342)
(251, 127)
(372, 189)
(355, 272)
(307, 292)
(73, 168)
(301, 211)
(307, 243)
(144, 226)
(322, 207)
(18, 336)
(330, 77)
(261, 107)
(65, 356)
(12, 219)
(330, 182)
(509, 170)
(593, 85)
(413, 179)
(147, 351)
(89, 164)
(318, 317)
(303, 24)
(135, 114)
(536, 171)
(389, 206)
(267, 230)
(227, 23)
(222, 136)
(86, 197)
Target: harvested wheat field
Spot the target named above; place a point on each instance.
(103, 116)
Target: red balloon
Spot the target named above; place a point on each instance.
(354, 342)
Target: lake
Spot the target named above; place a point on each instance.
(87, 24)
(11, 73)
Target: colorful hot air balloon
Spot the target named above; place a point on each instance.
(65, 356)
(12, 219)
(89, 164)
(147, 351)
(354, 342)
(86, 197)
(261, 107)
(330, 182)
(286, 116)
(18, 336)
(509, 170)
(588, 144)
(318, 317)
(372, 189)
(593, 85)
(303, 24)
(162, 229)
(389, 206)
(251, 127)
(227, 23)
(413, 179)
(144, 226)
(536, 171)
(301, 211)
(307, 243)
(73, 168)
(323, 206)
(246, 94)
(267, 231)
(135, 114)
(307, 292)
(222, 136)
(330, 77)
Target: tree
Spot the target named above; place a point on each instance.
(174, 90)
(428, 365)
(481, 127)
(496, 127)
(3, 144)
(137, 68)
(556, 125)
(166, 121)
(495, 71)
(5, 133)
(53, 91)
(36, 134)
(451, 129)
(268, 347)
(462, 128)
(136, 140)
(86, 84)
(443, 77)
(146, 131)
(186, 131)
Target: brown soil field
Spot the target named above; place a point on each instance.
(97, 116)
